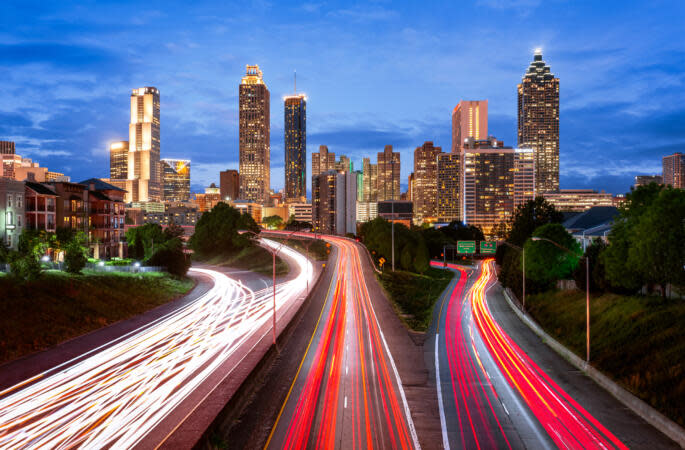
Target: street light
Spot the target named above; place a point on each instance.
(523, 256)
(273, 251)
(392, 209)
(587, 293)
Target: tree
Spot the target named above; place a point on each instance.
(421, 260)
(273, 222)
(529, 217)
(407, 257)
(597, 275)
(170, 255)
(621, 275)
(216, 233)
(143, 239)
(76, 255)
(658, 240)
(173, 230)
(547, 263)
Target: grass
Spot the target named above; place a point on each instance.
(254, 258)
(39, 314)
(414, 295)
(638, 341)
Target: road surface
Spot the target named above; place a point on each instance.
(134, 390)
(347, 392)
(493, 394)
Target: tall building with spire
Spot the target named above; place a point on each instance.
(295, 126)
(538, 122)
(255, 143)
(144, 182)
(469, 120)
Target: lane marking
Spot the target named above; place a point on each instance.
(443, 424)
(346, 402)
(505, 408)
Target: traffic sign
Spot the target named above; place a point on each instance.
(466, 247)
(488, 247)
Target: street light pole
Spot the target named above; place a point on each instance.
(392, 211)
(587, 294)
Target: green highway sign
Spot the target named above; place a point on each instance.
(466, 247)
(488, 247)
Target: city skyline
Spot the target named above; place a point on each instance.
(642, 127)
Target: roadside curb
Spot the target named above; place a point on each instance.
(639, 407)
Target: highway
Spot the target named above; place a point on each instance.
(347, 392)
(118, 393)
(491, 393)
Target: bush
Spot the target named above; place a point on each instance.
(24, 266)
(75, 257)
(171, 256)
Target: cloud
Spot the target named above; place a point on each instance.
(57, 54)
(364, 13)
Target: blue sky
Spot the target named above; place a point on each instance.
(375, 73)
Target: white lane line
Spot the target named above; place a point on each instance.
(346, 369)
(443, 424)
(505, 408)
(346, 402)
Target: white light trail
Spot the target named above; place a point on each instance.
(116, 396)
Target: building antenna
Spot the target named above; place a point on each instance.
(296, 81)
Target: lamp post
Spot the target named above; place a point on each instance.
(392, 210)
(587, 293)
(273, 251)
(523, 256)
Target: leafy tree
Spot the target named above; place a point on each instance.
(597, 275)
(173, 230)
(4, 252)
(623, 276)
(529, 217)
(273, 222)
(421, 260)
(143, 239)
(216, 232)
(545, 262)
(170, 254)
(407, 257)
(457, 231)
(24, 266)
(76, 255)
(658, 240)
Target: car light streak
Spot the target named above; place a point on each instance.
(114, 396)
(372, 409)
(567, 423)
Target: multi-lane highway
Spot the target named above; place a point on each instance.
(491, 393)
(116, 394)
(347, 392)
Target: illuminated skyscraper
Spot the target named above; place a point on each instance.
(388, 174)
(7, 148)
(344, 164)
(296, 148)
(334, 202)
(254, 119)
(674, 170)
(369, 181)
(144, 177)
(322, 161)
(425, 189)
(469, 120)
(118, 160)
(538, 122)
(449, 187)
(176, 176)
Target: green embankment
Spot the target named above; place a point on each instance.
(638, 341)
(39, 314)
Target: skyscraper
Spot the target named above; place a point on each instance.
(176, 180)
(118, 160)
(344, 164)
(645, 180)
(144, 177)
(538, 122)
(229, 182)
(449, 187)
(369, 181)
(255, 140)
(295, 148)
(425, 189)
(674, 170)
(388, 174)
(469, 120)
(322, 161)
(334, 202)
